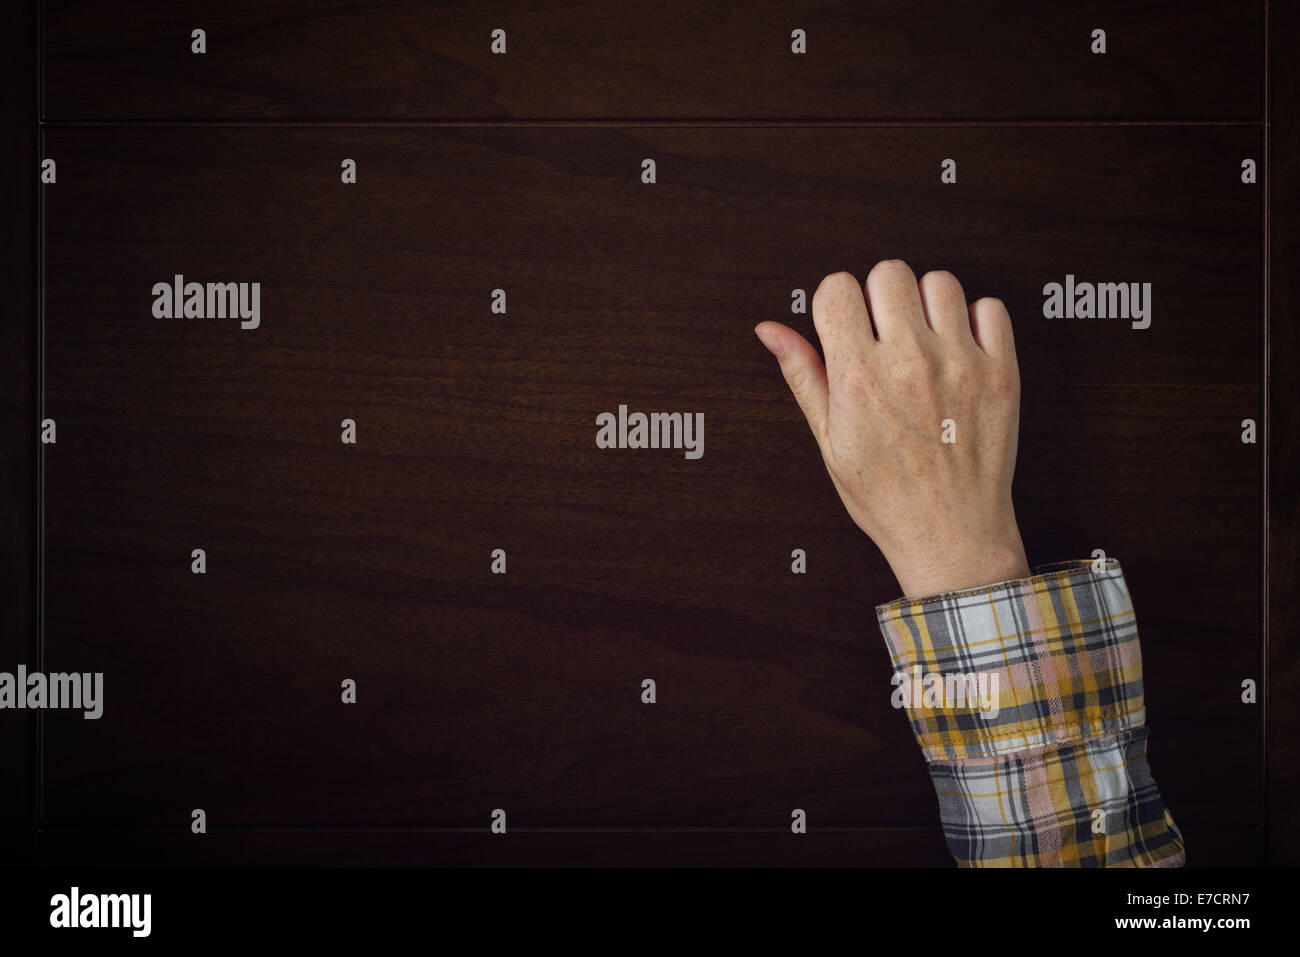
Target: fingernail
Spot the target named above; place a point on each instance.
(772, 344)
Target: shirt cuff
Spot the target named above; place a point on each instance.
(1026, 698)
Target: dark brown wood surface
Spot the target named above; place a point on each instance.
(476, 430)
(19, 584)
(665, 59)
(1282, 661)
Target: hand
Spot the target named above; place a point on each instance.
(917, 421)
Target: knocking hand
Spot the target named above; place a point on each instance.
(917, 421)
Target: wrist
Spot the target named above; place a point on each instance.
(960, 569)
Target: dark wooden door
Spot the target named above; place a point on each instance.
(475, 428)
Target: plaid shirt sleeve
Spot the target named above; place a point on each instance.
(1026, 698)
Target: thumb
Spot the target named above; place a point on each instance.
(803, 371)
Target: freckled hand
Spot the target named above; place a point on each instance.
(916, 413)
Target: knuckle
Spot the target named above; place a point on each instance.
(1001, 380)
(959, 377)
(831, 294)
(892, 268)
(914, 369)
(912, 357)
(832, 282)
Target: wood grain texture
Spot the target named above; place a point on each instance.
(1283, 656)
(18, 420)
(476, 431)
(644, 59)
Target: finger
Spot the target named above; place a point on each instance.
(990, 324)
(944, 302)
(843, 324)
(803, 371)
(895, 301)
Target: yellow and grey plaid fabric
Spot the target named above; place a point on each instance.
(1026, 698)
